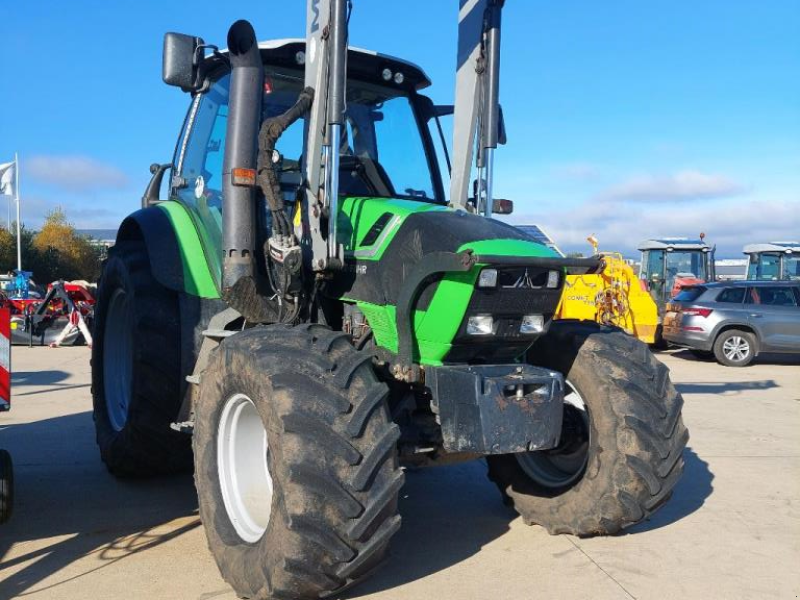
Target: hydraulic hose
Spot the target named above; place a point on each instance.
(271, 131)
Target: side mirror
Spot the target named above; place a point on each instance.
(180, 64)
(501, 206)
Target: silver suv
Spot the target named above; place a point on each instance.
(736, 320)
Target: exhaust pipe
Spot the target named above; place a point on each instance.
(241, 149)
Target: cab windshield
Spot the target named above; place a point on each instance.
(381, 146)
(686, 264)
(773, 267)
(791, 267)
(765, 266)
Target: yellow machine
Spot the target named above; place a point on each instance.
(613, 297)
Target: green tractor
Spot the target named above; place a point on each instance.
(309, 310)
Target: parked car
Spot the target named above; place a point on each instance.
(734, 321)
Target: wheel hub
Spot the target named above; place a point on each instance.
(736, 348)
(244, 475)
(564, 465)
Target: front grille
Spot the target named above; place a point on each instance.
(514, 301)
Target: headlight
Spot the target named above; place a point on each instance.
(480, 325)
(487, 278)
(532, 324)
(552, 279)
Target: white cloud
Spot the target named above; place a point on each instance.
(75, 173)
(681, 186)
(621, 226)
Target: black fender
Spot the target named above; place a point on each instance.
(153, 226)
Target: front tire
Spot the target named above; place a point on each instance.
(136, 377)
(632, 437)
(295, 462)
(735, 348)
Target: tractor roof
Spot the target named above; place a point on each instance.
(787, 247)
(362, 64)
(674, 243)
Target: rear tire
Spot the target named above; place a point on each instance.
(633, 436)
(735, 348)
(136, 376)
(6, 486)
(310, 510)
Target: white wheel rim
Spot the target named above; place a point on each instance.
(118, 359)
(244, 476)
(736, 348)
(552, 469)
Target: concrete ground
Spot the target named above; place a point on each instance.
(731, 531)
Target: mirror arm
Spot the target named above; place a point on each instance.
(444, 145)
(151, 194)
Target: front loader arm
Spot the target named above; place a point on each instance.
(476, 103)
(326, 73)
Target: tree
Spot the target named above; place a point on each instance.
(64, 253)
(54, 252)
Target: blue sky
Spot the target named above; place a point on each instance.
(626, 119)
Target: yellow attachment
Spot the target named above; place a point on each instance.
(613, 297)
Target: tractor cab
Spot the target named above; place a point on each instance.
(773, 261)
(669, 264)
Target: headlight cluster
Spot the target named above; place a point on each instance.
(484, 325)
(516, 281)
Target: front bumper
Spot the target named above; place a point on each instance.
(497, 409)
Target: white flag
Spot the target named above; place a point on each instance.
(8, 178)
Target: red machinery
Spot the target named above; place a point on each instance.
(61, 317)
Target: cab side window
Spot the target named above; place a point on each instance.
(199, 164)
(771, 296)
(732, 295)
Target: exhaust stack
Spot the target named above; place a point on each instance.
(241, 149)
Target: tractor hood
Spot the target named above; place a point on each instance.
(385, 239)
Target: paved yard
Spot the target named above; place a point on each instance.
(731, 531)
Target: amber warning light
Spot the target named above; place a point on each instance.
(244, 177)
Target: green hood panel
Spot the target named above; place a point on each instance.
(501, 247)
(358, 216)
